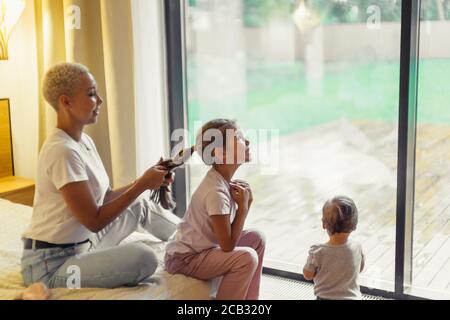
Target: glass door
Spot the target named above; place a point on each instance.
(315, 86)
(431, 245)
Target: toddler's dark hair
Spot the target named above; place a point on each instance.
(340, 215)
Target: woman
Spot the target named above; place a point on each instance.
(78, 220)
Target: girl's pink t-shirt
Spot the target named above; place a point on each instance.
(195, 232)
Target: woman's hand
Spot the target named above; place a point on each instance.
(81, 202)
(168, 179)
(153, 178)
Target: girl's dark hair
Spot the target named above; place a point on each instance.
(340, 215)
(203, 139)
(163, 196)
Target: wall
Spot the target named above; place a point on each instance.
(19, 83)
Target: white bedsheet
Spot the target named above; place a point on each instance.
(14, 218)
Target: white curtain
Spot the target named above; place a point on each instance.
(122, 43)
(152, 130)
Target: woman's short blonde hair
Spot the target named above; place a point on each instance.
(62, 79)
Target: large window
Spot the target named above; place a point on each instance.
(292, 67)
(431, 246)
(318, 87)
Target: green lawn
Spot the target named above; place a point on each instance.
(277, 95)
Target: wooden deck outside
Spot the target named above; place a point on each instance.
(358, 159)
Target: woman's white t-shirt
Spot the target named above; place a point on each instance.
(63, 160)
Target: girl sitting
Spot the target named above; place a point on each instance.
(210, 241)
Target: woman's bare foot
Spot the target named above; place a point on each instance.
(37, 291)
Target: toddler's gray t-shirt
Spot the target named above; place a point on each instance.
(337, 269)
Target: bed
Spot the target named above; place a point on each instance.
(14, 218)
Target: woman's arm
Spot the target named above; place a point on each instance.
(78, 197)
(114, 194)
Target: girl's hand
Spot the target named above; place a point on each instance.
(240, 195)
(242, 183)
(153, 178)
(247, 186)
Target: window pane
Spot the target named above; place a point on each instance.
(326, 75)
(431, 249)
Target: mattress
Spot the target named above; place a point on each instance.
(14, 218)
